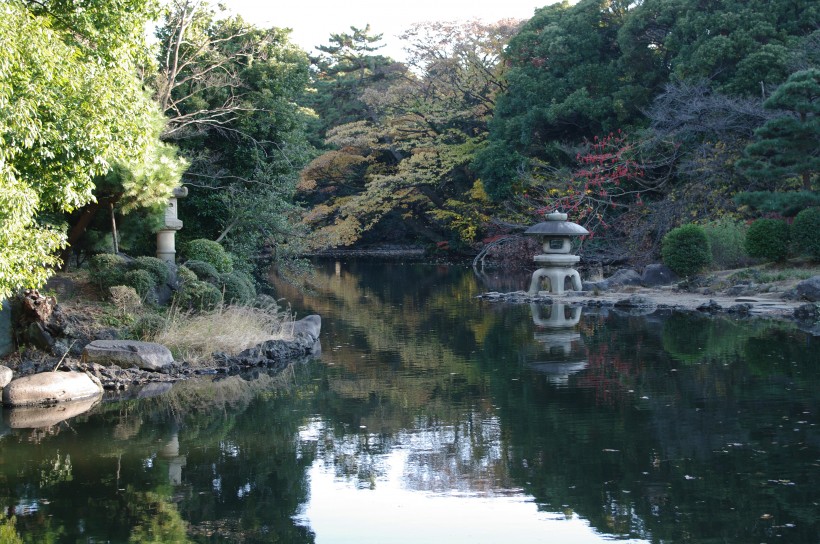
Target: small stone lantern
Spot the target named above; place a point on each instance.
(556, 261)
(166, 248)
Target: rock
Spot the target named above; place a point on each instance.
(658, 274)
(275, 353)
(6, 376)
(128, 353)
(50, 387)
(807, 312)
(594, 286)
(809, 289)
(32, 417)
(710, 307)
(624, 276)
(310, 326)
(637, 305)
(741, 309)
(635, 301)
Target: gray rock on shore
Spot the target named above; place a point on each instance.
(128, 354)
(809, 289)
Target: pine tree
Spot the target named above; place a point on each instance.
(788, 145)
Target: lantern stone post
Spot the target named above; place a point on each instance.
(166, 245)
(556, 261)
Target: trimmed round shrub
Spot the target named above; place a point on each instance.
(805, 232)
(210, 252)
(203, 271)
(141, 280)
(237, 288)
(768, 239)
(185, 274)
(686, 250)
(107, 270)
(147, 327)
(198, 295)
(157, 267)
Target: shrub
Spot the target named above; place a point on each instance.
(157, 267)
(805, 232)
(727, 239)
(141, 280)
(768, 239)
(210, 252)
(237, 288)
(106, 270)
(203, 271)
(125, 298)
(185, 274)
(147, 327)
(686, 250)
(198, 295)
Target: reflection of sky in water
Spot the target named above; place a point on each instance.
(411, 499)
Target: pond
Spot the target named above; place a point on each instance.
(432, 416)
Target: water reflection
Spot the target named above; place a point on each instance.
(435, 417)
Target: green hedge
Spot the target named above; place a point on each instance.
(210, 252)
(157, 267)
(805, 232)
(768, 239)
(686, 250)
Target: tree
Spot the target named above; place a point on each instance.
(70, 107)
(786, 146)
(347, 66)
(416, 146)
(229, 90)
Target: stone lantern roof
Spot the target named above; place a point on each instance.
(556, 225)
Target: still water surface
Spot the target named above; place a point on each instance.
(432, 416)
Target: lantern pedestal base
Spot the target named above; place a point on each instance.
(556, 276)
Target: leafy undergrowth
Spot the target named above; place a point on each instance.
(191, 336)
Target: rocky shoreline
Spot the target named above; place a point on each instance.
(798, 302)
(129, 380)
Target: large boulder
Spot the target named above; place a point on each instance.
(6, 376)
(50, 387)
(309, 326)
(6, 334)
(128, 354)
(809, 289)
(624, 276)
(658, 274)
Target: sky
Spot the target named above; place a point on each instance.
(313, 21)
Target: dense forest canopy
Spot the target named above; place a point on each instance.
(633, 116)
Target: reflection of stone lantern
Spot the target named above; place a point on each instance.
(556, 261)
(558, 336)
(166, 248)
(559, 316)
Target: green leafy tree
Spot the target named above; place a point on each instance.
(786, 146)
(406, 169)
(71, 106)
(229, 89)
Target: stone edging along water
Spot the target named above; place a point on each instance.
(130, 368)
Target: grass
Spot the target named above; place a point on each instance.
(228, 329)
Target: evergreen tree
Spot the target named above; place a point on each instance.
(787, 146)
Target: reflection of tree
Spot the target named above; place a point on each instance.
(126, 461)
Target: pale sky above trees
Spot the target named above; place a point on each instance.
(313, 22)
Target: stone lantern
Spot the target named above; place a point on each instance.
(556, 262)
(166, 248)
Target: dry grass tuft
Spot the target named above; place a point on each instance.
(229, 329)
